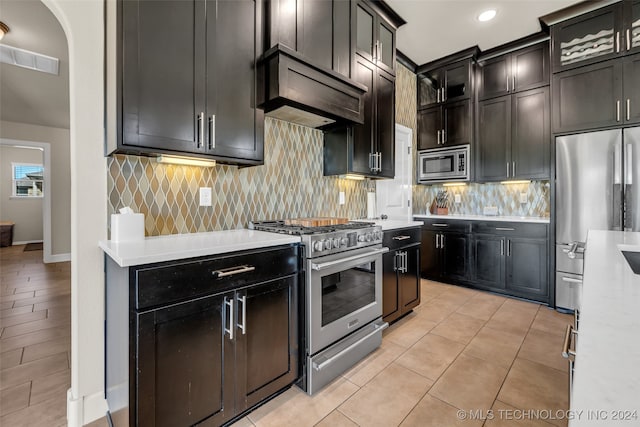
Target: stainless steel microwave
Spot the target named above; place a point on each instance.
(443, 164)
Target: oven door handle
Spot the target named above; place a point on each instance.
(378, 327)
(324, 265)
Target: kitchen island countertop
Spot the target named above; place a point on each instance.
(534, 219)
(191, 245)
(607, 372)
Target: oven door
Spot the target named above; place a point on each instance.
(344, 293)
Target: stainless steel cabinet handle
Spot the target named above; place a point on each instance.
(618, 110)
(200, 130)
(442, 241)
(329, 361)
(438, 96)
(618, 41)
(395, 262)
(505, 229)
(507, 83)
(371, 161)
(401, 237)
(243, 300)
(439, 136)
(437, 224)
(628, 109)
(513, 80)
(628, 39)
(513, 169)
(507, 169)
(444, 136)
(228, 303)
(501, 247)
(225, 272)
(380, 162)
(571, 280)
(508, 247)
(437, 237)
(566, 351)
(212, 132)
(380, 52)
(444, 94)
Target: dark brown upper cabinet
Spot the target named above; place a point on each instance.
(602, 34)
(184, 90)
(448, 83)
(445, 125)
(514, 137)
(520, 70)
(375, 33)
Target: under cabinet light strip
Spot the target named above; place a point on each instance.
(185, 161)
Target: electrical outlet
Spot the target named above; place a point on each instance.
(341, 198)
(524, 198)
(205, 196)
(457, 199)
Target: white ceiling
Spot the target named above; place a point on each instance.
(437, 28)
(28, 96)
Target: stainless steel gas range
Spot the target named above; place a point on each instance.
(343, 295)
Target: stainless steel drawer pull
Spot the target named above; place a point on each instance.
(438, 136)
(618, 110)
(501, 247)
(437, 224)
(566, 351)
(571, 280)
(243, 300)
(228, 303)
(628, 109)
(329, 361)
(505, 229)
(618, 41)
(401, 237)
(437, 239)
(628, 39)
(232, 270)
(442, 241)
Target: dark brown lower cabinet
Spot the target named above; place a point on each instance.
(192, 359)
(400, 273)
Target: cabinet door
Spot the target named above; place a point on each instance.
(457, 123)
(163, 75)
(488, 260)
(588, 38)
(267, 339)
(494, 139)
(455, 256)
(429, 128)
(317, 24)
(530, 144)
(185, 364)
(364, 134)
(457, 82)
(632, 26)
(386, 49)
(365, 26)
(233, 125)
(409, 281)
(430, 255)
(526, 265)
(530, 67)
(429, 84)
(494, 77)
(588, 97)
(385, 123)
(632, 89)
(342, 58)
(390, 291)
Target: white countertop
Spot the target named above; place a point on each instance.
(535, 219)
(181, 246)
(607, 376)
(393, 224)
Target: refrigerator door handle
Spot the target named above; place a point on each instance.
(628, 189)
(617, 165)
(628, 155)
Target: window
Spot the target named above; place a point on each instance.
(28, 179)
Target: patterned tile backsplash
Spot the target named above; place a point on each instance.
(289, 184)
(475, 197)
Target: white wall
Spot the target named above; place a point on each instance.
(83, 24)
(26, 213)
(60, 184)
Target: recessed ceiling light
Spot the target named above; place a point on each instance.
(487, 15)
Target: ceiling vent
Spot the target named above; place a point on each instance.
(27, 59)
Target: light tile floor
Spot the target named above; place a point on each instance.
(460, 349)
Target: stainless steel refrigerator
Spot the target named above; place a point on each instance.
(597, 188)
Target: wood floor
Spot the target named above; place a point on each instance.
(35, 339)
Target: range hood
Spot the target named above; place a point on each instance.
(296, 91)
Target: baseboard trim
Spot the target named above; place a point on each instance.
(57, 258)
(86, 409)
(24, 242)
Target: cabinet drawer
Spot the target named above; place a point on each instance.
(394, 239)
(446, 225)
(515, 229)
(177, 281)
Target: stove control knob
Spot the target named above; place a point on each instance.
(318, 246)
(344, 241)
(369, 237)
(378, 235)
(361, 238)
(336, 243)
(327, 244)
